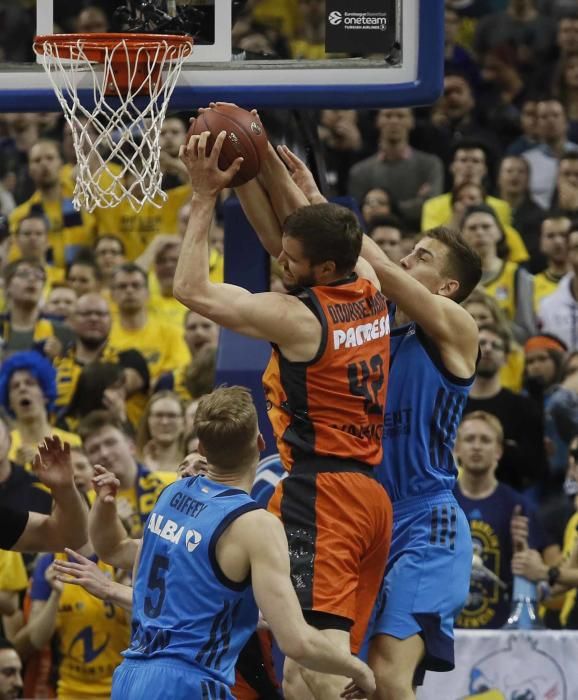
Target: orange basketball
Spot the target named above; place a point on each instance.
(246, 137)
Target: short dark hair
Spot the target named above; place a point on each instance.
(34, 215)
(85, 258)
(502, 248)
(451, 72)
(462, 186)
(471, 145)
(462, 261)
(327, 232)
(557, 215)
(6, 644)
(385, 222)
(109, 237)
(97, 420)
(130, 268)
(92, 383)
(520, 159)
(500, 332)
(568, 14)
(12, 268)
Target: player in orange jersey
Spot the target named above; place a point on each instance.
(326, 385)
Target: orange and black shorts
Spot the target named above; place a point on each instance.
(338, 522)
(255, 673)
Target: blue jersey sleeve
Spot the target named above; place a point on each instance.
(40, 589)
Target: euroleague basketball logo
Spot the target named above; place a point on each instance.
(360, 27)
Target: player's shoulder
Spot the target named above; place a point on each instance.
(252, 525)
(462, 319)
(460, 326)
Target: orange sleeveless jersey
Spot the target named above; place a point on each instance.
(334, 404)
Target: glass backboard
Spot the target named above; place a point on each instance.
(389, 54)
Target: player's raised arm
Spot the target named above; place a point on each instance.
(444, 320)
(260, 214)
(107, 534)
(301, 175)
(80, 571)
(256, 315)
(286, 196)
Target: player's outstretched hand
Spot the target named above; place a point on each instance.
(362, 686)
(105, 484)
(52, 464)
(207, 179)
(301, 175)
(82, 572)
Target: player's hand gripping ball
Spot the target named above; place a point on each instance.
(246, 137)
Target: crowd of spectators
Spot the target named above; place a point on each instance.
(95, 349)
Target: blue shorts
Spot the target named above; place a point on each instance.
(153, 679)
(427, 578)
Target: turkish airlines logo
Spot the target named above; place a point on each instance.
(335, 18)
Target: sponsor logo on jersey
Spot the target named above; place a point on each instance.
(193, 540)
(362, 333)
(171, 531)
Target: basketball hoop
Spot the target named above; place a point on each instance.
(116, 135)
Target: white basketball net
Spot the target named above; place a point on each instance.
(117, 143)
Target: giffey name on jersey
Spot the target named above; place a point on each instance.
(171, 531)
(360, 333)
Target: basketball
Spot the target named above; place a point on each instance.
(246, 137)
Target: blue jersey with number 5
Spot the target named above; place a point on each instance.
(184, 607)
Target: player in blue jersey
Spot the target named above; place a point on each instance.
(254, 671)
(434, 349)
(433, 356)
(205, 569)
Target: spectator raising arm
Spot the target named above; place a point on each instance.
(67, 524)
